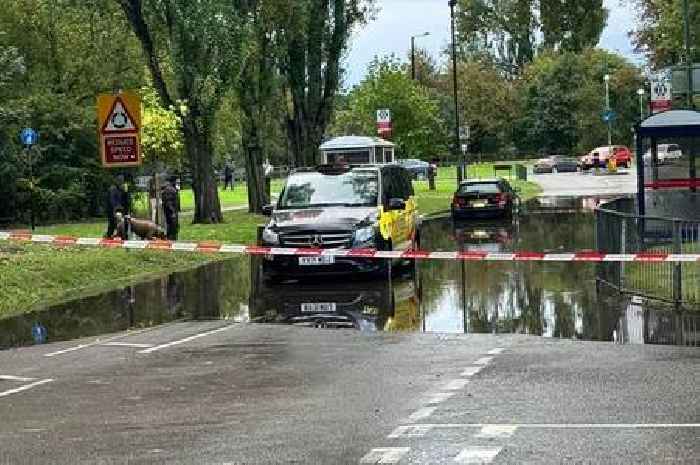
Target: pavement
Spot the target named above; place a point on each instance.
(587, 183)
(217, 392)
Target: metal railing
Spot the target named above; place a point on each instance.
(620, 231)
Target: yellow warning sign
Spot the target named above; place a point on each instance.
(119, 124)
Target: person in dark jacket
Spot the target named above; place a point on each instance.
(228, 175)
(171, 207)
(117, 201)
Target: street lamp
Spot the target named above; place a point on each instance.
(688, 56)
(461, 170)
(413, 53)
(606, 78)
(641, 93)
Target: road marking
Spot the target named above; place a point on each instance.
(127, 344)
(456, 385)
(25, 387)
(70, 349)
(471, 371)
(439, 397)
(385, 455)
(182, 341)
(15, 378)
(478, 454)
(410, 431)
(483, 361)
(496, 351)
(421, 413)
(496, 431)
(560, 425)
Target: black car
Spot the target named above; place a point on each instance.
(340, 207)
(491, 198)
(556, 164)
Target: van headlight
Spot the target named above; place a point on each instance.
(364, 235)
(270, 237)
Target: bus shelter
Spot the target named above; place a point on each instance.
(357, 150)
(655, 173)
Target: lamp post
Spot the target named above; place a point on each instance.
(606, 78)
(688, 57)
(461, 170)
(413, 53)
(641, 93)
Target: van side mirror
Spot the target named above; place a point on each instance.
(396, 204)
(267, 210)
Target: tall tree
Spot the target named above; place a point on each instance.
(315, 35)
(193, 51)
(572, 25)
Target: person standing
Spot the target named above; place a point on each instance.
(228, 175)
(117, 201)
(171, 207)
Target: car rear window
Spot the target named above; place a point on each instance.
(672, 148)
(480, 188)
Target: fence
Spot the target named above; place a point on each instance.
(620, 231)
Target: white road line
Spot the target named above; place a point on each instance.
(483, 361)
(25, 387)
(410, 431)
(439, 397)
(127, 344)
(496, 431)
(15, 378)
(471, 371)
(456, 385)
(560, 425)
(478, 454)
(182, 341)
(385, 455)
(496, 351)
(70, 349)
(421, 414)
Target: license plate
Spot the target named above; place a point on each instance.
(478, 204)
(318, 307)
(315, 261)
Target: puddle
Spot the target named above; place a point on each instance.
(550, 300)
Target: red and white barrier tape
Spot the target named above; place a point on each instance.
(467, 255)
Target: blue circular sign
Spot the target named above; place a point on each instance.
(29, 136)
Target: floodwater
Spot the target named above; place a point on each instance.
(556, 300)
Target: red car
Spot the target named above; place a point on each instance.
(621, 154)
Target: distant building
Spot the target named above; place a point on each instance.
(357, 150)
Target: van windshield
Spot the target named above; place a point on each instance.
(351, 189)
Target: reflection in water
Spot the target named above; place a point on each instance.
(547, 299)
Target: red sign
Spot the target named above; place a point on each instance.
(658, 106)
(121, 149)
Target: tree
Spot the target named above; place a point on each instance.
(193, 51)
(418, 130)
(659, 31)
(572, 25)
(314, 35)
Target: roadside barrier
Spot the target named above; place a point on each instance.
(466, 255)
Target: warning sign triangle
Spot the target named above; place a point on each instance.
(119, 119)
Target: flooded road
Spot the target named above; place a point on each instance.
(544, 299)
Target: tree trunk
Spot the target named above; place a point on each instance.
(253, 165)
(207, 208)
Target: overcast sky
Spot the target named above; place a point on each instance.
(397, 20)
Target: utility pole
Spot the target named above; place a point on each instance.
(413, 54)
(640, 92)
(606, 78)
(688, 56)
(461, 170)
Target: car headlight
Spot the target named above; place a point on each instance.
(270, 237)
(364, 235)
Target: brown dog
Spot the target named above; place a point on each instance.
(144, 229)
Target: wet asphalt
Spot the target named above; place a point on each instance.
(225, 393)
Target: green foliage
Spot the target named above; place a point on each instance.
(161, 135)
(564, 97)
(418, 129)
(659, 31)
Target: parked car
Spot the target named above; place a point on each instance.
(494, 197)
(340, 207)
(419, 169)
(556, 164)
(665, 154)
(621, 154)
